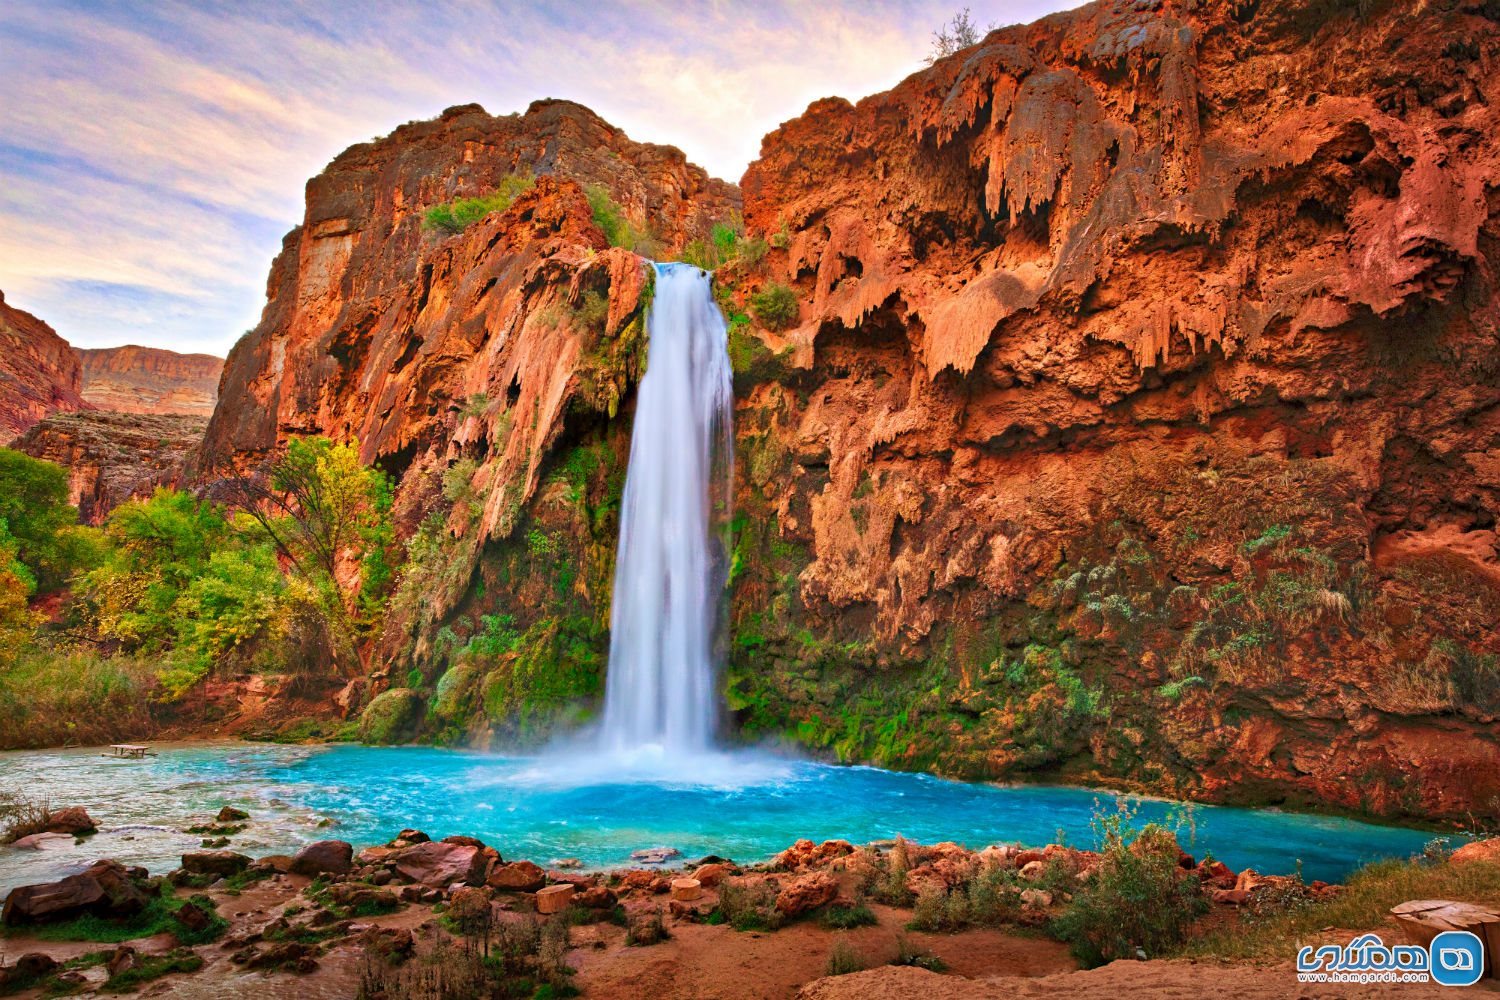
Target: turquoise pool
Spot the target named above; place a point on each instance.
(597, 808)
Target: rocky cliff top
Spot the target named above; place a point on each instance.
(134, 379)
(39, 373)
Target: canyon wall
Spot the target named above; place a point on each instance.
(39, 373)
(1138, 426)
(1140, 422)
(135, 379)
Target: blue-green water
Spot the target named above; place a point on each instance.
(599, 809)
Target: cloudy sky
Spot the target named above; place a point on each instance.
(153, 153)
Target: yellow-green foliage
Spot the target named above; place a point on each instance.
(52, 698)
(457, 215)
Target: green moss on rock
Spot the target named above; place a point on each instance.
(391, 717)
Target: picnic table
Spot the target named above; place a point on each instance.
(128, 751)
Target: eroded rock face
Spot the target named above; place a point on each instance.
(134, 379)
(480, 350)
(1140, 417)
(39, 373)
(113, 457)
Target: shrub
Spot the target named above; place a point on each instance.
(909, 954)
(616, 226)
(646, 929)
(843, 959)
(843, 918)
(21, 815)
(49, 698)
(457, 215)
(1135, 900)
(749, 907)
(775, 307)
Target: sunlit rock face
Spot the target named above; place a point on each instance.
(481, 347)
(134, 379)
(1141, 414)
(39, 373)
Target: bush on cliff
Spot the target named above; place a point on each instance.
(775, 307)
(457, 215)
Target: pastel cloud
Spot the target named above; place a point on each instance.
(153, 153)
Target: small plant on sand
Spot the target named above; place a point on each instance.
(1137, 901)
(909, 954)
(843, 918)
(844, 959)
(749, 907)
(888, 884)
(646, 929)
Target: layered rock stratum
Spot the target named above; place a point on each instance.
(39, 373)
(134, 379)
(112, 457)
(1139, 425)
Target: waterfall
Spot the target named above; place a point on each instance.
(670, 564)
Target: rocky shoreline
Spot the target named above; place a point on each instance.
(375, 918)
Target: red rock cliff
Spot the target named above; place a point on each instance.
(135, 379)
(1142, 414)
(39, 373)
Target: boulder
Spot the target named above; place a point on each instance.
(518, 876)
(440, 865)
(1039, 898)
(806, 893)
(362, 898)
(463, 841)
(1215, 875)
(229, 814)
(394, 944)
(408, 837)
(655, 855)
(194, 918)
(1231, 897)
(74, 820)
(711, 874)
(804, 854)
(1480, 850)
(567, 863)
(554, 898)
(686, 889)
(324, 857)
(1033, 871)
(105, 888)
(28, 969)
(122, 959)
(220, 863)
(596, 897)
(280, 863)
(43, 841)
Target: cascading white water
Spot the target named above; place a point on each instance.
(670, 565)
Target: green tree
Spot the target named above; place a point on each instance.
(326, 512)
(157, 549)
(39, 520)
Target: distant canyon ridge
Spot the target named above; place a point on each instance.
(1135, 418)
